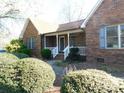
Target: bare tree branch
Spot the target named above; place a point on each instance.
(71, 11)
(7, 10)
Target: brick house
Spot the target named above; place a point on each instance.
(59, 39)
(102, 34)
(104, 29)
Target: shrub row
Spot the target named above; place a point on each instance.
(19, 49)
(91, 81)
(26, 75)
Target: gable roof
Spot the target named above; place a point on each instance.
(91, 13)
(70, 25)
(41, 26)
(44, 27)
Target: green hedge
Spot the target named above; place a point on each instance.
(91, 81)
(27, 75)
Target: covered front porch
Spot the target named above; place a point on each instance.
(62, 42)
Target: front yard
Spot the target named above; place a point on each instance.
(59, 68)
(28, 70)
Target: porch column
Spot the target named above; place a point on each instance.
(44, 41)
(57, 43)
(68, 39)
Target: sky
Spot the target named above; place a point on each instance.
(53, 11)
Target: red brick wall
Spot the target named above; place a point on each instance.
(31, 31)
(80, 38)
(109, 13)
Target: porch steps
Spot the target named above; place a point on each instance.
(60, 56)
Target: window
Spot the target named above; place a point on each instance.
(31, 43)
(122, 36)
(112, 37)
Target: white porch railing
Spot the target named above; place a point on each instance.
(82, 50)
(50, 48)
(66, 52)
(54, 51)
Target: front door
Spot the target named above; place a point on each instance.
(61, 43)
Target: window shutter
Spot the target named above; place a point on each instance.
(102, 37)
(33, 43)
(28, 43)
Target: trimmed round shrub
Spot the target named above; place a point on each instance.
(9, 80)
(46, 53)
(91, 81)
(28, 75)
(7, 58)
(21, 55)
(36, 75)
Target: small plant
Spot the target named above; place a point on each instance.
(46, 53)
(91, 81)
(17, 46)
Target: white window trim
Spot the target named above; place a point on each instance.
(119, 36)
(105, 39)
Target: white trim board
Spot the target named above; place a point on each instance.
(91, 13)
(24, 28)
(61, 33)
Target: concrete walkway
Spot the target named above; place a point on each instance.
(58, 71)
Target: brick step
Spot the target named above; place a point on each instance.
(53, 90)
(60, 56)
